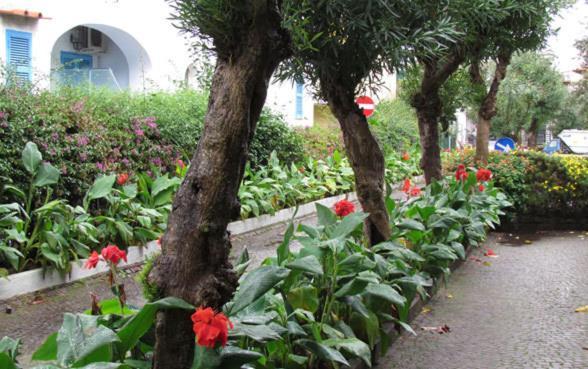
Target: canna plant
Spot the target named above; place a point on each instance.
(320, 302)
(38, 230)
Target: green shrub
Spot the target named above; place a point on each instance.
(85, 133)
(273, 135)
(324, 137)
(537, 184)
(395, 125)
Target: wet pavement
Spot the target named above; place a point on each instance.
(515, 311)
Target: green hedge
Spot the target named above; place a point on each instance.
(539, 185)
(84, 133)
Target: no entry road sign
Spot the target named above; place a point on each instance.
(367, 104)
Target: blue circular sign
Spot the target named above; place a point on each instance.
(504, 144)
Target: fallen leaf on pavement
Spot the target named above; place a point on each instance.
(440, 329)
(449, 296)
(582, 309)
(425, 310)
(37, 300)
(487, 263)
(528, 242)
(490, 253)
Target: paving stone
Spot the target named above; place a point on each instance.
(516, 313)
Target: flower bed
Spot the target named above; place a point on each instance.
(539, 185)
(37, 229)
(316, 308)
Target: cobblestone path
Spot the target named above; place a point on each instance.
(517, 313)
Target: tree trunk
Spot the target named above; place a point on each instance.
(366, 157)
(532, 138)
(428, 109)
(194, 264)
(487, 109)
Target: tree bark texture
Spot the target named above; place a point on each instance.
(487, 109)
(532, 136)
(194, 264)
(429, 107)
(366, 157)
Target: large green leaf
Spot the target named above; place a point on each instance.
(81, 341)
(255, 284)
(6, 362)
(353, 346)
(309, 264)
(385, 292)
(234, 357)
(304, 297)
(102, 187)
(322, 351)
(348, 224)
(31, 157)
(48, 350)
(411, 224)
(283, 251)
(326, 217)
(47, 175)
(259, 333)
(138, 325)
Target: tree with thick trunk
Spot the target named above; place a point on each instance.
(194, 264)
(365, 156)
(532, 133)
(487, 109)
(338, 46)
(429, 106)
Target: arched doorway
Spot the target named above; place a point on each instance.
(100, 55)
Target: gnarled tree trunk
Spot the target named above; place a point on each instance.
(366, 157)
(194, 264)
(428, 107)
(487, 109)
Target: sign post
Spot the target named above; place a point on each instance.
(367, 104)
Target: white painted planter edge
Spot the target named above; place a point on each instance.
(37, 279)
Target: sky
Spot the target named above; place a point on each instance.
(573, 25)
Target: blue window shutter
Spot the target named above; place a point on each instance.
(18, 54)
(299, 100)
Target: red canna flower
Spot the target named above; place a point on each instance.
(113, 254)
(481, 188)
(92, 260)
(415, 191)
(343, 208)
(406, 186)
(461, 174)
(483, 175)
(405, 156)
(210, 328)
(159, 242)
(122, 178)
(181, 164)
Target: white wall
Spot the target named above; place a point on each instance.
(281, 97)
(156, 52)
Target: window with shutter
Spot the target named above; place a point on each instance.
(299, 100)
(18, 54)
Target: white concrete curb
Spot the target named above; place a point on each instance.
(37, 279)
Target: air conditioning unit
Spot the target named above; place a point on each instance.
(86, 39)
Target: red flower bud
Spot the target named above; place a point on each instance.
(211, 328)
(122, 178)
(343, 208)
(92, 260)
(113, 254)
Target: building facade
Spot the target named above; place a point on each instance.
(118, 44)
